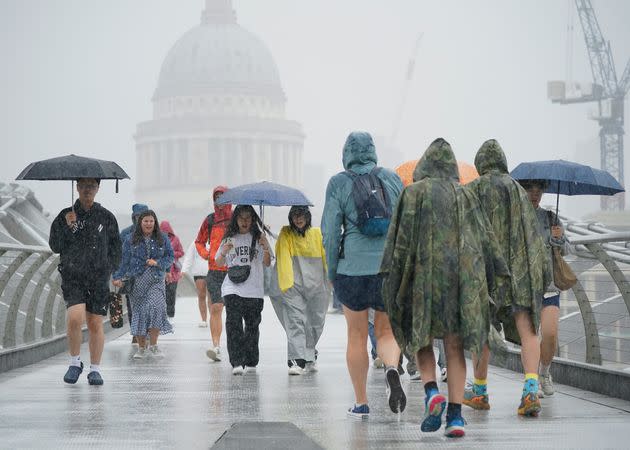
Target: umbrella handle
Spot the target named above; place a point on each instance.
(72, 195)
(557, 202)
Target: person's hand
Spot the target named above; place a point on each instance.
(117, 283)
(151, 262)
(226, 248)
(71, 218)
(556, 232)
(169, 277)
(264, 243)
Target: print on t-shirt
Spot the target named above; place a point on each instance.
(240, 256)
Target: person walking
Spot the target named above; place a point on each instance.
(87, 240)
(174, 274)
(514, 225)
(244, 249)
(136, 209)
(552, 231)
(147, 256)
(197, 267)
(208, 240)
(300, 294)
(354, 222)
(434, 278)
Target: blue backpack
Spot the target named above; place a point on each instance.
(374, 211)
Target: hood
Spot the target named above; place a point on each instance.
(166, 227)
(438, 161)
(221, 212)
(359, 151)
(490, 157)
(137, 209)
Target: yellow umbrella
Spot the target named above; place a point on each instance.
(467, 172)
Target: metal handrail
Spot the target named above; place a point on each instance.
(30, 264)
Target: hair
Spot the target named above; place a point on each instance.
(256, 229)
(528, 184)
(98, 180)
(156, 234)
(301, 210)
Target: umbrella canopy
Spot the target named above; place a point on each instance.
(264, 193)
(568, 178)
(467, 172)
(72, 167)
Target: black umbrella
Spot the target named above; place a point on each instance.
(72, 167)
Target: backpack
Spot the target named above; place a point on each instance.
(374, 211)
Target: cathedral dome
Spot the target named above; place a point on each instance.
(219, 57)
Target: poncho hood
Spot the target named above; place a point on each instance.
(490, 157)
(438, 161)
(359, 152)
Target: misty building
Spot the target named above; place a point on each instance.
(218, 118)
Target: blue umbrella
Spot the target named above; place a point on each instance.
(568, 178)
(264, 193)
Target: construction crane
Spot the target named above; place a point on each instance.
(405, 90)
(609, 94)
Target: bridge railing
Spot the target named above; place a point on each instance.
(595, 313)
(31, 305)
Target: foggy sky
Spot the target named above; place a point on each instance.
(78, 75)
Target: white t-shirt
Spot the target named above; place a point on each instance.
(254, 286)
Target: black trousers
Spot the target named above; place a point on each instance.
(242, 318)
(171, 293)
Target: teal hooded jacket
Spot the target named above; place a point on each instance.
(361, 254)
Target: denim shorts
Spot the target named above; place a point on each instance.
(551, 301)
(359, 292)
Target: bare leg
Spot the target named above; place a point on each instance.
(387, 347)
(530, 348)
(97, 337)
(142, 341)
(75, 315)
(480, 365)
(216, 323)
(153, 335)
(549, 332)
(456, 368)
(356, 352)
(425, 360)
(200, 284)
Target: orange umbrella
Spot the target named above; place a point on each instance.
(467, 172)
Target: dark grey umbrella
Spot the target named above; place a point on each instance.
(72, 167)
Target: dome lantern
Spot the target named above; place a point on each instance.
(218, 12)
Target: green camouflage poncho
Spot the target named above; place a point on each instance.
(514, 223)
(433, 268)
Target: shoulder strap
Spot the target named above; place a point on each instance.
(350, 174)
(210, 224)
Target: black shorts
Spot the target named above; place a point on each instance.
(199, 277)
(94, 295)
(360, 292)
(214, 281)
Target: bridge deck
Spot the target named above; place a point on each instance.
(186, 401)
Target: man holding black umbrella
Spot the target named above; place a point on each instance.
(87, 240)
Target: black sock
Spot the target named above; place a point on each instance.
(453, 410)
(430, 386)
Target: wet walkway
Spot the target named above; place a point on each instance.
(185, 401)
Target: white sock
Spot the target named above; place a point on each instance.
(95, 368)
(75, 360)
(544, 369)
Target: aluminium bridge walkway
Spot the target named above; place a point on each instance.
(185, 401)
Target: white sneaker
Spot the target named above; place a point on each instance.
(311, 366)
(156, 352)
(140, 353)
(378, 363)
(546, 384)
(214, 353)
(203, 325)
(249, 369)
(238, 370)
(295, 369)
